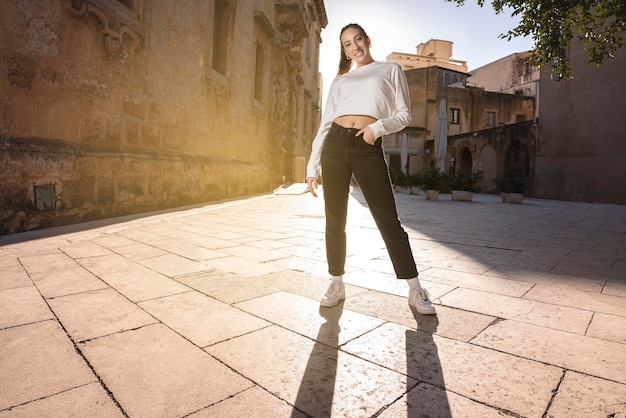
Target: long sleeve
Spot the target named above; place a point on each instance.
(402, 101)
(313, 167)
(379, 89)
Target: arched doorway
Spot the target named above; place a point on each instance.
(465, 161)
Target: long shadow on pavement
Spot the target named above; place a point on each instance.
(425, 398)
(428, 398)
(315, 396)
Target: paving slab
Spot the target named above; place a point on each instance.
(97, 313)
(458, 264)
(253, 253)
(132, 280)
(600, 358)
(545, 277)
(304, 316)
(491, 377)
(452, 323)
(188, 251)
(313, 377)
(430, 401)
(593, 301)
(136, 234)
(615, 289)
(173, 265)
(485, 281)
(38, 360)
(201, 319)
(138, 251)
(608, 327)
(594, 268)
(71, 280)
(84, 249)
(244, 267)
(13, 274)
(152, 371)
(90, 400)
(46, 263)
(22, 305)
(584, 396)
(313, 251)
(113, 241)
(227, 287)
(539, 313)
(254, 402)
(304, 284)
(376, 280)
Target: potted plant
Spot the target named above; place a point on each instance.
(511, 184)
(430, 179)
(399, 180)
(413, 181)
(464, 185)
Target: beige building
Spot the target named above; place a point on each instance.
(512, 74)
(435, 52)
(118, 107)
(474, 118)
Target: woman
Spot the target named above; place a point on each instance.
(363, 105)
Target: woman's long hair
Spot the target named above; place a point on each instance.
(344, 63)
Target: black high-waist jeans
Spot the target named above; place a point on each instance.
(345, 155)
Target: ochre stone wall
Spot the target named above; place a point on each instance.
(121, 111)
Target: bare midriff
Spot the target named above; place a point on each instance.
(355, 121)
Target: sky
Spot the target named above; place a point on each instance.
(400, 25)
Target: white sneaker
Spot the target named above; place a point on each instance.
(419, 299)
(336, 292)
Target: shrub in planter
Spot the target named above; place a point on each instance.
(464, 185)
(430, 178)
(399, 179)
(512, 185)
(511, 181)
(446, 182)
(413, 181)
(468, 182)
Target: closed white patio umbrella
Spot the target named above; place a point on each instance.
(441, 136)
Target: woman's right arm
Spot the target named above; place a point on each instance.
(313, 167)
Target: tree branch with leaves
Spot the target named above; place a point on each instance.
(552, 24)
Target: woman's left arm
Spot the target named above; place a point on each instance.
(401, 103)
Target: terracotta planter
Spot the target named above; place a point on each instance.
(512, 197)
(462, 195)
(432, 194)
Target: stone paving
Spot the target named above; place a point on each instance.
(212, 311)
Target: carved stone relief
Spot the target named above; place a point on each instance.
(291, 31)
(121, 31)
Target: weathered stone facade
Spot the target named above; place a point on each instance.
(116, 107)
(492, 151)
(511, 74)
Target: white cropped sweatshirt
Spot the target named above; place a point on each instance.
(378, 89)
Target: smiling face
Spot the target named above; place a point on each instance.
(356, 46)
